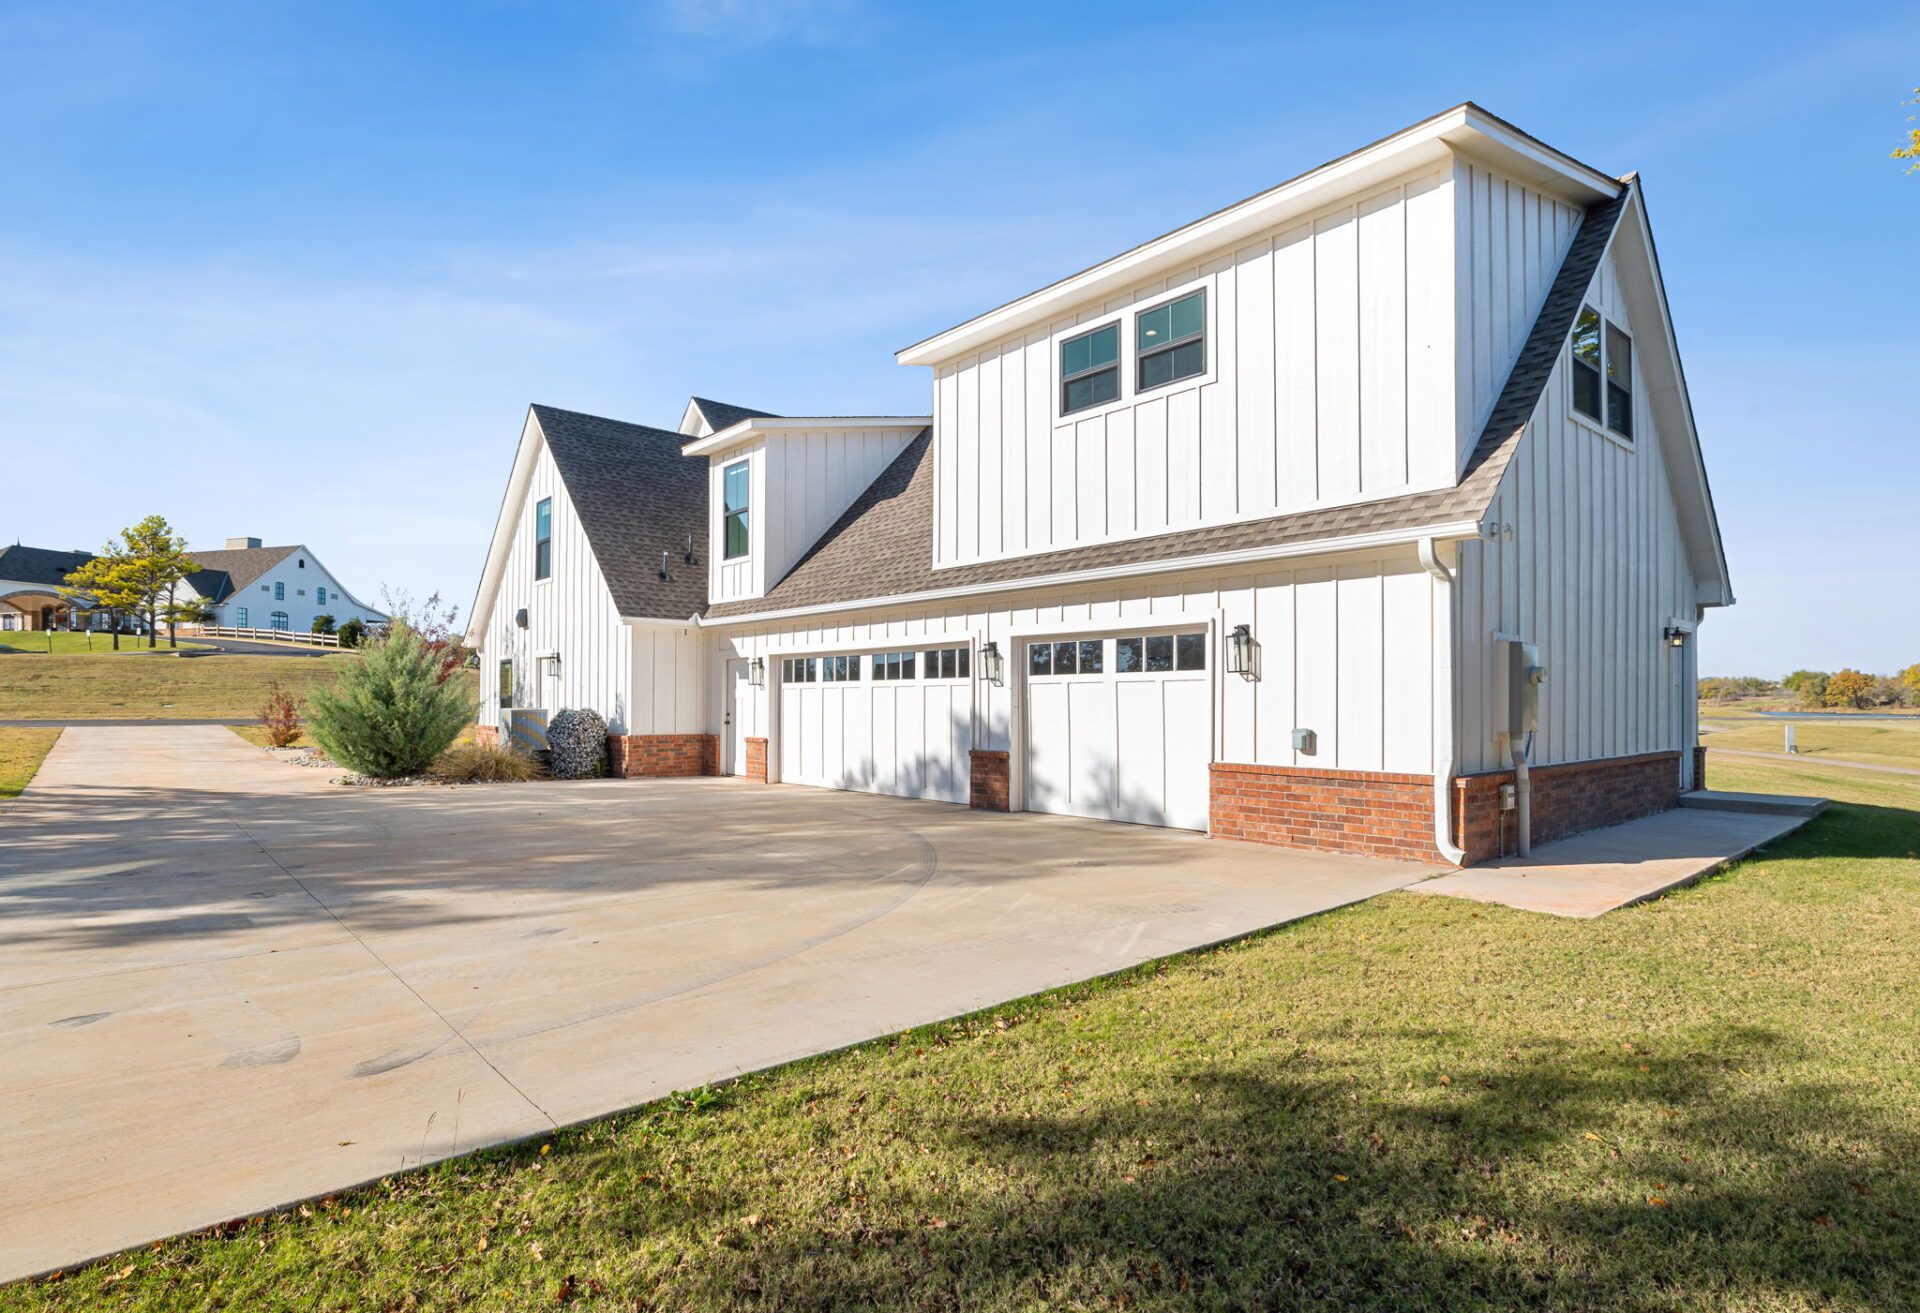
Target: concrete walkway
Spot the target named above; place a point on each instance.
(1601, 870)
(226, 984)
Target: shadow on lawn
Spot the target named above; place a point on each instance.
(1510, 1188)
(1854, 831)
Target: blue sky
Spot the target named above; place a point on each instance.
(296, 270)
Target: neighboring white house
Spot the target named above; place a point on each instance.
(255, 587)
(1251, 529)
(252, 587)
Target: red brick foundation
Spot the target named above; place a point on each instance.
(1569, 799)
(757, 760)
(653, 756)
(991, 785)
(1370, 812)
(487, 736)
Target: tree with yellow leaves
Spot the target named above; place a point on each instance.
(1911, 151)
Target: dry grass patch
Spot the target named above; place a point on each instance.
(21, 752)
(212, 685)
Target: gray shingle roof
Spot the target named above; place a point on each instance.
(225, 571)
(883, 545)
(722, 416)
(39, 565)
(636, 497)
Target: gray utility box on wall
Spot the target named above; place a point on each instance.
(1525, 675)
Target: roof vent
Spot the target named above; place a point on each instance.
(663, 566)
(239, 544)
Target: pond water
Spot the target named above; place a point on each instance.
(1838, 715)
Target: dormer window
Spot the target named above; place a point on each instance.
(733, 493)
(1603, 372)
(1171, 342)
(1090, 369)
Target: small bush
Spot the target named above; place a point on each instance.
(280, 718)
(353, 633)
(577, 745)
(484, 763)
(323, 624)
(390, 714)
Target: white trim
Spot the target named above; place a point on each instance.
(1464, 127)
(770, 427)
(1132, 569)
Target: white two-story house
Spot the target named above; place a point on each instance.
(273, 588)
(1366, 514)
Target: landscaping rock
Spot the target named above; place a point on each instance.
(577, 745)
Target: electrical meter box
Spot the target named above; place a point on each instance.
(1525, 675)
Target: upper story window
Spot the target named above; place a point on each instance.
(320, 595)
(1170, 341)
(1090, 369)
(1603, 372)
(733, 495)
(543, 539)
(279, 591)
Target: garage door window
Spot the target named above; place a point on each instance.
(893, 665)
(1159, 653)
(946, 663)
(800, 670)
(1084, 656)
(839, 669)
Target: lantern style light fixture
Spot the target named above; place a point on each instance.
(1240, 650)
(1675, 636)
(757, 672)
(990, 665)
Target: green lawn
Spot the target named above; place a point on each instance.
(21, 752)
(62, 643)
(217, 685)
(1885, 742)
(1711, 1101)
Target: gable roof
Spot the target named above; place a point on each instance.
(636, 497)
(226, 571)
(719, 415)
(883, 545)
(39, 565)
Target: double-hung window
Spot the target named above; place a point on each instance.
(734, 497)
(279, 591)
(1603, 372)
(506, 683)
(1090, 369)
(1170, 342)
(543, 539)
(320, 596)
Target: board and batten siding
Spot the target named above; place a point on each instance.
(1345, 648)
(1330, 379)
(1512, 240)
(669, 680)
(571, 613)
(1588, 562)
(799, 483)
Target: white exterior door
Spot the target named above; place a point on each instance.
(1120, 728)
(739, 714)
(882, 722)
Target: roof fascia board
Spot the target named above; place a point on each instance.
(1406, 151)
(693, 419)
(748, 429)
(524, 456)
(1450, 530)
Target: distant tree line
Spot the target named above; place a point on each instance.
(1846, 689)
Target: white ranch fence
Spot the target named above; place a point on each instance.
(270, 636)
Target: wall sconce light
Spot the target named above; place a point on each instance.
(757, 672)
(1240, 650)
(990, 664)
(1675, 636)
(520, 618)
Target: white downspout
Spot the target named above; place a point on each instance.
(1442, 704)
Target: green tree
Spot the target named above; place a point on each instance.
(195, 610)
(1809, 685)
(105, 583)
(157, 563)
(1849, 688)
(391, 714)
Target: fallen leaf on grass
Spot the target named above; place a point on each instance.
(1658, 1202)
(536, 1251)
(119, 1276)
(1338, 1177)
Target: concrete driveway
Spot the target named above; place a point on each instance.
(226, 984)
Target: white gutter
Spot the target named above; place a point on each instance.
(1132, 569)
(1442, 703)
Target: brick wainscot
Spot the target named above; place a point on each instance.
(991, 783)
(757, 760)
(487, 736)
(1381, 814)
(652, 756)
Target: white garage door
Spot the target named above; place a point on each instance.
(883, 722)
(1120, 728)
